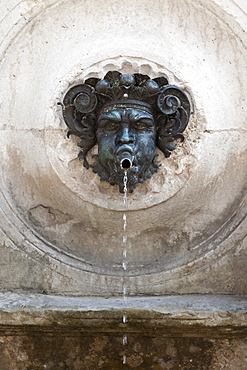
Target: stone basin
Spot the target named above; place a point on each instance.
(181, 331)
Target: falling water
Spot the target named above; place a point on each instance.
(124, 264)
(124, 243)
(125, 180)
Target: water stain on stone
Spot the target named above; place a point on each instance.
(47, 216)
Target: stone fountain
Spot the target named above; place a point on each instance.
(152, 100)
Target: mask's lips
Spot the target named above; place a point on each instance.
(125, 149)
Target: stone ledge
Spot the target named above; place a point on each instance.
(173, 316)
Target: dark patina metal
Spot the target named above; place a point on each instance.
(128, 116)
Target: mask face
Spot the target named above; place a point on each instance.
(126, 134)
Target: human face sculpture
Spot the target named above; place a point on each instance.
(126, 141)
(127, 116)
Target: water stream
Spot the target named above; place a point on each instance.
(125, 261)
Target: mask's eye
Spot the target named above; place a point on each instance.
(111, 126)
(107, 125)
(143, 124)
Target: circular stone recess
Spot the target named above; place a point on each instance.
(64, 208)
(173, 173)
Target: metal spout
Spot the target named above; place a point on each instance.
(125, 164)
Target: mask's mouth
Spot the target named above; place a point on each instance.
(126, 164)
(125, 148)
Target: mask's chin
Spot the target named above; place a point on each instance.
(114, 174)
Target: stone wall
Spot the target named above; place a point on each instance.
(62, 227)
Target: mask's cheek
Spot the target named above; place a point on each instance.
(106, 149)
(146, 149)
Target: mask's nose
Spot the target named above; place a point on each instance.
(125, 136)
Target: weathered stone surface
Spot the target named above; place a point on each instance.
(176, 332)
(34, 352)
(170, 315)
(61, 229)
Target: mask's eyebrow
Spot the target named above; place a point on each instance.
(137, 116)
(109, 116)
